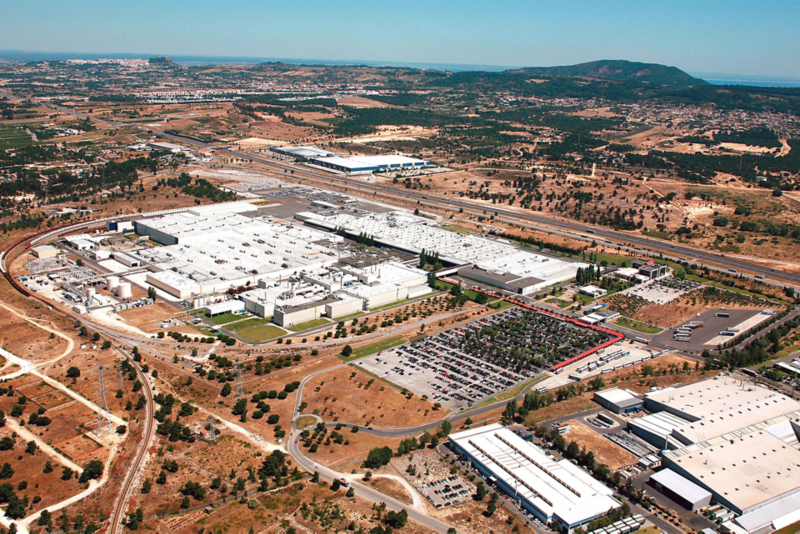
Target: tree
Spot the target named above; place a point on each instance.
(31, 448)
(491, 508)
(92, 470)
(6, 471)
(147, 485)
(480, 491)
(445, 428)
(379, 456)
(347, 351)
(73, 372)
(45, 520)
(226, 390)
(66, 473)
(397, 520)
(596, 383)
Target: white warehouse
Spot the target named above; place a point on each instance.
(552, 490)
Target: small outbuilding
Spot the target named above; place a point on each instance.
(681, 490)
(618, 400)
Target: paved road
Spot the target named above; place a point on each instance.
(363, 491)
(584, 231)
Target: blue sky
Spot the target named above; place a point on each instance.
(731, 36)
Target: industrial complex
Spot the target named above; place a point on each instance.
(351, 165)
(552, 490)
(725, 442)
(491, 261)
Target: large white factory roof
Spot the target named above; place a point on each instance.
(367, 162)
(411, 233)
(718, 396)
(555, 487)
(745, 471)
(215, 249)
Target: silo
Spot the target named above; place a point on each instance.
(124, 290)
(112, 282)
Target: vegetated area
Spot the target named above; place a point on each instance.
(526, 341)
(632, 146)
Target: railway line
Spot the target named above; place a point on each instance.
(542, 222)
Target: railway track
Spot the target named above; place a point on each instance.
(118, 514)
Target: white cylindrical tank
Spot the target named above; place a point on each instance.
(112, 282)
(124, 290)
(90, 292)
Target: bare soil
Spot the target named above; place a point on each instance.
(348, 394)
(605, 451)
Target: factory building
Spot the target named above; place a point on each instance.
(552, 490)
(619, 400)
(210, 249)
(491, 261)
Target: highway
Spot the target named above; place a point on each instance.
(544, 222)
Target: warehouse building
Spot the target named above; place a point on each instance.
(551, 490)
(221, 308)
(657, 429)
(369, 164)
(126, 259)
(619, 400)
(303, 152)
(45, 251)
(681, 416)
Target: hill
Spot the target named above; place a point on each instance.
(617, 69)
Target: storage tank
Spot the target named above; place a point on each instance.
(90, 292)
(124, 290)
(112, 282)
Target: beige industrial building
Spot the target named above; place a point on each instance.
(45, 251)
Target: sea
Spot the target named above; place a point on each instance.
(713, 78)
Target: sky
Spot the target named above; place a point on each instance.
(708, 36)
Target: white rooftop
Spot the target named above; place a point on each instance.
(557, 488)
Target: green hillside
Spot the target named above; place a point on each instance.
(618, 69)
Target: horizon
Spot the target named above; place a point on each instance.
(716, 78)
(736, 36)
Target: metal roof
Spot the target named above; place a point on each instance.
(681, 486)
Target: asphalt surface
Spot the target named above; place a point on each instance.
(588, 233)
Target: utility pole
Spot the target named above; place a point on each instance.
(103, 404)
(239, 386)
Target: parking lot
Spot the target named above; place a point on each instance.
(712, 326)
(462, 366)
(434, 367)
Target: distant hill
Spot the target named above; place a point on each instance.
(618, 69)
